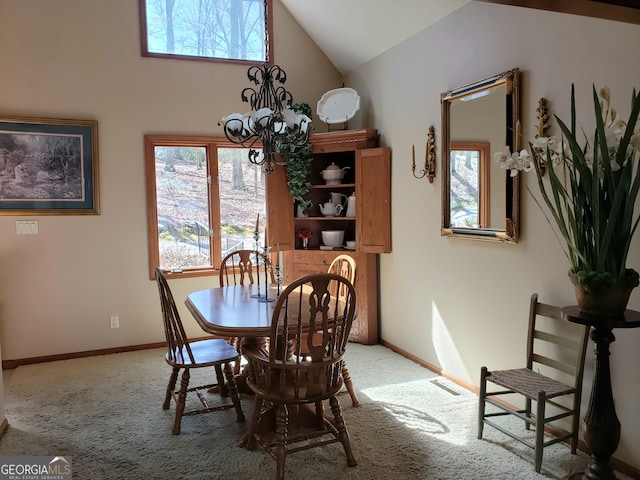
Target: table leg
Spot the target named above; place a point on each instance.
(241, 378)
(602, 433)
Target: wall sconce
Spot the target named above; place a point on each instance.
(543, 124)
(429, 169)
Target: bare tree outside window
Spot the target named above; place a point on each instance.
(214, 29)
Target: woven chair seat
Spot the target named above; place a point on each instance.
(529, 383)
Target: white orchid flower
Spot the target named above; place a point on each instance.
(502, 157)
(526, 160)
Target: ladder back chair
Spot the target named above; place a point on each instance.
(183, 354)
(286, 382)
(556, 348)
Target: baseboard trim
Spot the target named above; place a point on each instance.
(11, 364)
(615, 463)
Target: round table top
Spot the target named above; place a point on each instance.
(630, 319)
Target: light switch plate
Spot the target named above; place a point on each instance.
(26, 227)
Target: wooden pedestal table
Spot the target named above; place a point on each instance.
(602, 433)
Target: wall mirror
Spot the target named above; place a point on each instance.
(479, 199)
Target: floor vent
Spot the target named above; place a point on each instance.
(444, 387)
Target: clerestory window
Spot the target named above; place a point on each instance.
(235, 30)
(203, 199)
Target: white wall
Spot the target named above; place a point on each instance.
(464, 303)
(81, 59)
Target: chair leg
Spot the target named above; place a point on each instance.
(342, 431)
(235, 341)
(575, 424)
(539, 430)
(234, 392)
(319, 418)
(170, 388)
(182, 397)
(282, 418)
(482, 395)
(222, 388)
(527, 412)
(249, 441)
(349, 384)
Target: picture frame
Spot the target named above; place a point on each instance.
(48, 166)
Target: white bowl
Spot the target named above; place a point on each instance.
(351, 244)
(333, 238)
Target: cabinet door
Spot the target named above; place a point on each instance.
(279, 210)
(373, 200)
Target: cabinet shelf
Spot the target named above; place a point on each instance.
(340, 185)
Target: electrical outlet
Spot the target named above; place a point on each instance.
(114, 320)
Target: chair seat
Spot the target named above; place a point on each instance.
(206, 353)
(528, 383)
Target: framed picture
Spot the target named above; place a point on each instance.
(48, 166)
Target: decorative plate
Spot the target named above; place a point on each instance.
(338, 105)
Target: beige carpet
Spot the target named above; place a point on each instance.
(105, 412)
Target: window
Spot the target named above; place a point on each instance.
(469, 178)
(235, 30)
(203, 199)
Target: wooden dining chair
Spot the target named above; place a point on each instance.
(184, 354)
(240, 267)
(345, 266)
(286, 382)
(552, 378)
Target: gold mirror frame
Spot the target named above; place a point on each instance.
(509, 83)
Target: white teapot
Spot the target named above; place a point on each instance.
(330, 209)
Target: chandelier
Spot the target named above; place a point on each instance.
(270, 121)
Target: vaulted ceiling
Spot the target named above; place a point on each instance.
(352, 32)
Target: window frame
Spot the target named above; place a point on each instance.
(144, 43)
(211, 145)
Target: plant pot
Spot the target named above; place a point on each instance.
(301, 213)
(607, 302)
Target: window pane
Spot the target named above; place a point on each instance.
(230, 29)
(182, 202)
(242, 198)
(465, 176)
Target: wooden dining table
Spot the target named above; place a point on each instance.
(232, 311)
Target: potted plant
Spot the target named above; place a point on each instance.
(590, 198)
(298, 162)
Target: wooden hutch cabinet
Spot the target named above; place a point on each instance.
(368, 177)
